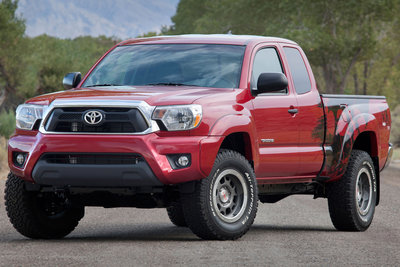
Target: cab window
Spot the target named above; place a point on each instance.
(298, 70)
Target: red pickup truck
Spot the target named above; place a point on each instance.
(202, 125)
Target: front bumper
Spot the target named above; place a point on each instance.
(153, 171)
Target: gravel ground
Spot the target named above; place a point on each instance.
(295, 231)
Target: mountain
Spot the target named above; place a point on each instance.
(119, 18)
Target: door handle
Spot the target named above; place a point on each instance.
(293, 111)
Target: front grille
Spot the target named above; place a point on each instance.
(116, 120)
(92, 158)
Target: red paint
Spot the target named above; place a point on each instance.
(152, 147)
(296, 155)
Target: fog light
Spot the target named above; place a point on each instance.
(179, 161)
(20, 159)
(183, 161)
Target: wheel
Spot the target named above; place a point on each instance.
(223, 205)
(39, 215)
(175, 214)
(352, 199)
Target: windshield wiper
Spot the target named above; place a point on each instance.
(103, 84)
(172, 84)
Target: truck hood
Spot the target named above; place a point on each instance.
(153, 95)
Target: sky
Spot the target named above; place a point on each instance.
(122, 19)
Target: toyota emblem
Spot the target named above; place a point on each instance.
(93, 117)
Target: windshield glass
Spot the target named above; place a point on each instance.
(205, 65)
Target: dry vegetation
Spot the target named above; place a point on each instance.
(396, 155)
(3, 158)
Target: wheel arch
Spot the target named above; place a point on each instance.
(237, 141)
(241, 143)
(360, 133)
(237, 134)
(368, 141)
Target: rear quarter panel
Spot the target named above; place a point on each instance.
(346, 118)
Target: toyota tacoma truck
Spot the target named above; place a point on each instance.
(205, 126)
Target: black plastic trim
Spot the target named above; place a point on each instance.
(94, 175)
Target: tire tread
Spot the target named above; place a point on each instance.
(176, 215)
(200, 222)
(341, 196)
(20, 211)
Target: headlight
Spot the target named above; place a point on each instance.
(178, 118)
(27, 115)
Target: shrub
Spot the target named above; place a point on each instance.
(7, 123)
(395, 133)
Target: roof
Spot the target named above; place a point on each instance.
(206, 39)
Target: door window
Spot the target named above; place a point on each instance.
(265, 61)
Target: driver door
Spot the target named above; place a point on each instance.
(277, 127)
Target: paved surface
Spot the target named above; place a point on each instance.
(295, 231)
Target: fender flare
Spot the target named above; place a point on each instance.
(358, 124)
(235, 122)
(224, 126)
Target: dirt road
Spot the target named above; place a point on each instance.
(295, 231)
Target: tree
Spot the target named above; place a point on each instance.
(342, 33)
(12, 29)
(337, 35)
(188, 11)
(50, 58)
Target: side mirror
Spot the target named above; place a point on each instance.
(271, 82)
(71, 80)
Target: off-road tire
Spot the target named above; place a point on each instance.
(28, 216)
(175, 214)
(231, 171)
(344, 197)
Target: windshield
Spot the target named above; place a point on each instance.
(205, 65)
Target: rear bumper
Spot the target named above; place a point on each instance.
(389, 157)
(154, 170)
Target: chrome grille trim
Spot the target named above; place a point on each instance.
(145, 109)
